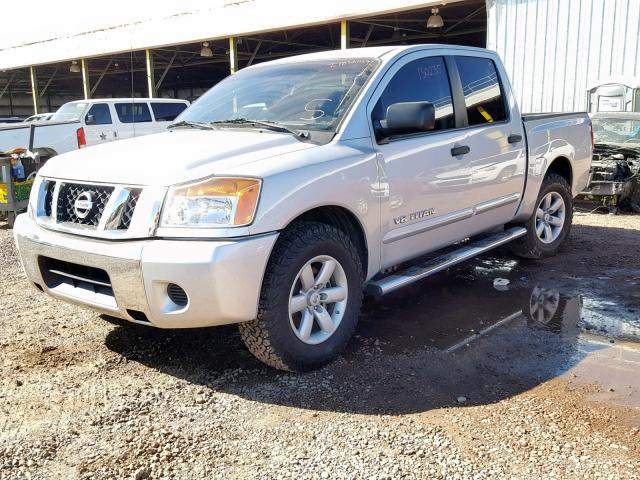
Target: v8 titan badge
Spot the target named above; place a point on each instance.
(414, 216)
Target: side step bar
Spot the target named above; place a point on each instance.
(418, 272)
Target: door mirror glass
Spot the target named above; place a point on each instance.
(91, 120)
(408, 117)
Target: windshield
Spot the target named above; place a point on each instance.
(617, 131)
(312, 95)
(69, 112)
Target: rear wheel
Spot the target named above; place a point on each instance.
(549, 226)
(310, 299)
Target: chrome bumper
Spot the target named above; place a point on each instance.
(222, 279)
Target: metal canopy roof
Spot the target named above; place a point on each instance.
(202, 21)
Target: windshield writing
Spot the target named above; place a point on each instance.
(313, 95)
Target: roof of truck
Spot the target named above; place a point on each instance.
(374, 52)
(132, 100)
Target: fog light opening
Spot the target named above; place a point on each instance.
(177, 295)
(138, 316)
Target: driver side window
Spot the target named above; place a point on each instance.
(98, 115)
(422, 80)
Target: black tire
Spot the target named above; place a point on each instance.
(271, 337)
(530, 246)
(634, 197)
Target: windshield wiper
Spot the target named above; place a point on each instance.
(186, 123)
(274, 126)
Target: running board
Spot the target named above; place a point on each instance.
(418, 272)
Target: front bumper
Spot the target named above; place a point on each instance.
(222, 279)
(598, 189)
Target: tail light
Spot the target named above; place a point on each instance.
(82, 140)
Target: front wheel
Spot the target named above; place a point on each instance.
(549, 226)
(310, 299)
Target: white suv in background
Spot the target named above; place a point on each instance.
(90, 122)
(105, 120)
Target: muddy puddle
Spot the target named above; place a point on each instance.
(591, 338)
(457, 307)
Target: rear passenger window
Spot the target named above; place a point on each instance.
(133, 112)
(98, 114)
(422, 80)
(165, 112)
(482, 93)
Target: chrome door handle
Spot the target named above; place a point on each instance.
(460, 150)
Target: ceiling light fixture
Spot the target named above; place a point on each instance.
(205, 51)
(435, 20)
(74, 68)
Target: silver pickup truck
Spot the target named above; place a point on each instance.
(293, 186)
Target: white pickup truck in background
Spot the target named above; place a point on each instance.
(92, 122)
(300, 183)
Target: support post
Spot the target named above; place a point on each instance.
(86, 88)
(151, 79)
(34, 89)
(344, 35)
(233, 55)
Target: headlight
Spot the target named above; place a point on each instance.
(216, 202)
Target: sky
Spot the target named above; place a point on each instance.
(46, 19)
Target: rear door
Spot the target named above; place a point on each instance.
(134, 118)
(98, 124)
(494, 139)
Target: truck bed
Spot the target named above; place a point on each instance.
(59, 136)
(550, 136)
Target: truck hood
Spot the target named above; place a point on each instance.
(172, 157)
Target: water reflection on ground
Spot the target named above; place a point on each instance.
(458, 307)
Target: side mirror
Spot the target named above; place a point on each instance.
(408, 117)
(90, 120)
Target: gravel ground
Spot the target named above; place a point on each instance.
(87, 397)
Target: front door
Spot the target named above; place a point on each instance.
(134, 118)
(98, 124)
(426, 183)
(495, 139)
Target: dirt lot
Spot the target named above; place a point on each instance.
(450, 378)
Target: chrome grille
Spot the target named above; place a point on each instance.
(96, 210)
(129, 208)
(48, 197)
(69, 193)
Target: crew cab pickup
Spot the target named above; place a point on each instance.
(293, 186)
(91, 122)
